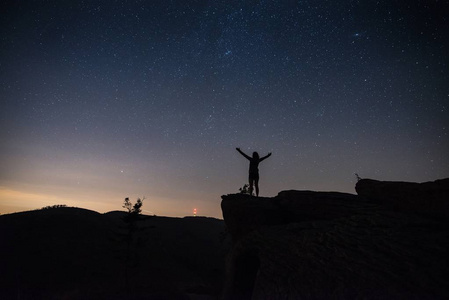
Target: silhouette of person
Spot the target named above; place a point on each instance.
(253, 169)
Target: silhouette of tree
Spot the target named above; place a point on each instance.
(131, 217)
(133, 210)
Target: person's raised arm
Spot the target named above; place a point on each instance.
(241, 152)
(266, 156)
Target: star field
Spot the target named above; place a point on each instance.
(102, 100)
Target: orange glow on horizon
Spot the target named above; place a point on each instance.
(12, 200)
(17, 200)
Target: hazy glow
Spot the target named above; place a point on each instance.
(15, 201)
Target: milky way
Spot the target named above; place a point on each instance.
(102, 100)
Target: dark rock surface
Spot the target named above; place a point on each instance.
(430, 198)
(303, 244)
(243, 213)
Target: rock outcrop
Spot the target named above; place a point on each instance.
(430, 198)
(243, 213)
(303, 244)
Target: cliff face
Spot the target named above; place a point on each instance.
(303, 244)
(243, 213)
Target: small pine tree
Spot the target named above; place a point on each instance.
(133, 210)
(131, 217)
(127, 204)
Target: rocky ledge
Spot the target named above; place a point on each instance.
(428, 198)
(304, 244)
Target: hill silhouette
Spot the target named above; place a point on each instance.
(81, 254)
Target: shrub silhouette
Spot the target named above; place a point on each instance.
(245, 189)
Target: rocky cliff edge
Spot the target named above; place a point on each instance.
(381, 243)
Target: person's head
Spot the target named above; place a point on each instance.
(255, 155)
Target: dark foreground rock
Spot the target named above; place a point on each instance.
(303, 244)
(244, 214)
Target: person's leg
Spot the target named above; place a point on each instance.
(251, 181)
(256, 182)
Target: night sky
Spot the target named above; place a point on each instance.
(102, 100)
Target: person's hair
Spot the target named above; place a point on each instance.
(255, 155)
